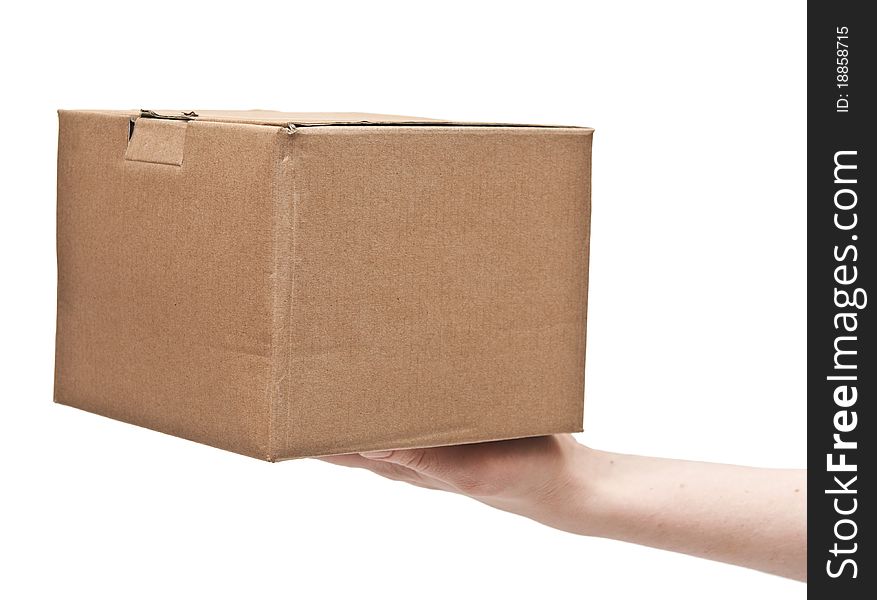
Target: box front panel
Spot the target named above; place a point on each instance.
(165, 257)
(439, 286)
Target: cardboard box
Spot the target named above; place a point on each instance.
(286, 285)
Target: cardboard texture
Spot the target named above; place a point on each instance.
(286, 285)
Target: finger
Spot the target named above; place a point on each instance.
(346, 460)
(451, 468)
(384, 469)
(425, 461)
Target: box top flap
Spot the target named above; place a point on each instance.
(281, 119)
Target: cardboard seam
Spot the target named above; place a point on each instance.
(192, 116)
(279, 353)
(434, 124)
(589, 205)
(293, 226)
(273, 383)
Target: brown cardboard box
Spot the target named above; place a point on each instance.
(285, 285)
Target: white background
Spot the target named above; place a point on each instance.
(696, 326)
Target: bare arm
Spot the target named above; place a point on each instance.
(741, 515)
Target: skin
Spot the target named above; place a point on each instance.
(745, 516)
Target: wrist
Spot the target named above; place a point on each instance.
(586, 490)
(573, 498)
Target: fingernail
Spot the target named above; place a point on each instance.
(376, 454)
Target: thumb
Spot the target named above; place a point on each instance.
(421, 460)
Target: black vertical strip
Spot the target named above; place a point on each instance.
(841, 363)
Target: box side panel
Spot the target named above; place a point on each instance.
(439, 287)
(166, 273)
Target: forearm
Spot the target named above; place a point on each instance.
(741, 515)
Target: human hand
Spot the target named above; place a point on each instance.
(741, 515)
(542, 478)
